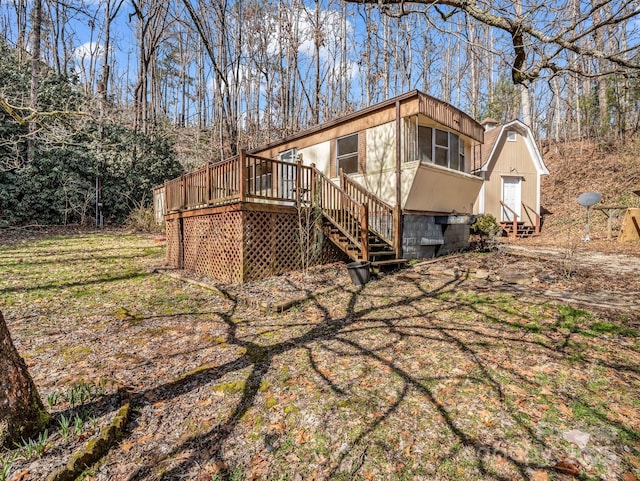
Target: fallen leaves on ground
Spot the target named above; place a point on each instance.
(418, 375)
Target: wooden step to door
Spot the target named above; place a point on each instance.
(523, 230)
(381, 253)
(388, 262)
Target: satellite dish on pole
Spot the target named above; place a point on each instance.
(587, 200)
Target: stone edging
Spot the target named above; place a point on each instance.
(95, 449)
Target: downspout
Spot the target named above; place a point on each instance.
(398, 208)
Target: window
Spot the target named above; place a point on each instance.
(425, 143)
(436, 146)
(512, 135)
(454, 158)
(288, 155)
(347, 154)
(442, 148)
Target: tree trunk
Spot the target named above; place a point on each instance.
(22, 413)
(36, 26)
(525, 105)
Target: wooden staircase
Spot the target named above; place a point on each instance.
(516, 227)
(380, 252)
(521, 230)
(359, 223)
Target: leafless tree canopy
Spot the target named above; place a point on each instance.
(243, 72)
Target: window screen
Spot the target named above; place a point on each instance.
(454, 158)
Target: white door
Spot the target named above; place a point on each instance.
(287, 174)
(511, 196)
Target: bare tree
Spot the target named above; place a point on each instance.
(152, 16)
(219, 28)
(539, 44)
(36, 30)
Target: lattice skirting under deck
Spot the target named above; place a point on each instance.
(235, 246)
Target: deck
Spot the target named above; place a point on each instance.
(232, 209)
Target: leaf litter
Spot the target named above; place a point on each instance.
(427, 373)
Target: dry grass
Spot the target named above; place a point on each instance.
(580, 167)
(418, 375)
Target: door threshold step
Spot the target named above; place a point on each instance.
(389, 262)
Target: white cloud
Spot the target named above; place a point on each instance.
(86, 57)
(88, 51)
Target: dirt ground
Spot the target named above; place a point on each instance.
(521, 363)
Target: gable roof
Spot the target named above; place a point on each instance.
(492, 140)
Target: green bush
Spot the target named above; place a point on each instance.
(58, 184)
(486, 225)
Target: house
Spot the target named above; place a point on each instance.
(511, 168)
(391, 182)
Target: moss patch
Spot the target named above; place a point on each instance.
(95, 449)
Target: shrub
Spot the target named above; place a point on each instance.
(486, 227)
(142, 219)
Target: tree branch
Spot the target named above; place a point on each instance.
(564, 38)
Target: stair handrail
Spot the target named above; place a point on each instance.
(381, 214)
(344, 212)
(528, 209)
(514, 233)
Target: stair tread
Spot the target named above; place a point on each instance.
(389, 262)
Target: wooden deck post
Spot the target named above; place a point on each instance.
(298, 180)
(183, 186)
(397, 230)
(208, 174)
(313, 180)
(364, 231)
(341, 208)
(242, 174)
(166, 198)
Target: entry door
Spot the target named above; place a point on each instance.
(287, 174)
(511, 196)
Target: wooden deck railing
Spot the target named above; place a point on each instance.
(352, 209)
(174, 193)
(277, 180)
(223, 182)
(514, 233)
(348, 215)
(536, 220)
(381, 214)
(240, 178)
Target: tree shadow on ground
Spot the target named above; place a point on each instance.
(343, 332)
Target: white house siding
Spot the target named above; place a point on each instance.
(319, 154)
(381, 148)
